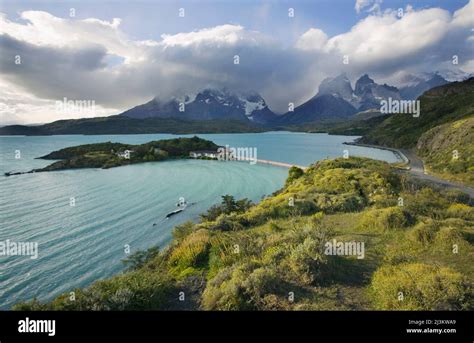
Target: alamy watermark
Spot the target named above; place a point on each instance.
(10, 248)
(400, 106)
(228, 153)
(335, 248)
(37, 326)
(75, 106)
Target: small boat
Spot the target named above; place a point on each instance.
(175, 212)
(181, 206)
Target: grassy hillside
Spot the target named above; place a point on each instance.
(358, 125)
(438, 106)
(124, 125)
(273, 256)
(448, 150)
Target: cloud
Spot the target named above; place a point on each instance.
(95, 60)
(313, 39)
(176, 64)
(384, 44)
(374, 5)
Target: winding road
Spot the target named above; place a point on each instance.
(417, 169)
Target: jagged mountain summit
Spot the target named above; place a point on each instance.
(325, 107)
(366, 95)
(336, 100)
(369, 94)
(208, 104)
(416, 85)
(339, 86)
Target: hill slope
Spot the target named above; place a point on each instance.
(438, 106)
(274, 255)
(448, 150)
(125, 125)
(324, 107)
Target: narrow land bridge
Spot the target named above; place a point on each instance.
(414, 164)
(280, 164)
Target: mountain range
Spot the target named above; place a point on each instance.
(209, 104)
(335, 101)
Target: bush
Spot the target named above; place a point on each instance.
(138, 290)
(347, 202)
(385, 219)
(461, 211)
(224, 222)
(229, 205)
(306, 262)
(181, 231)
(191, 252)
(426, 202)
(423, 233)
(245, 286)
(293, 174)
(418, 286)
(140, 258)
(447, 237)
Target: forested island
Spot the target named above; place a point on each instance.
(108, 155)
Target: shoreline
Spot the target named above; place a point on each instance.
(397, 152)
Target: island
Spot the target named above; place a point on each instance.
(109, 155)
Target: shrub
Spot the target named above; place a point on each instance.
(423, 233)
(138, 290)
(140, 258)
(418, 286)
(426, 202)
(229, 205)
(192, 252)
(385, 219)
(245, 286)
(293, 174)
(447, 237)
(230, 222)
(225, 291)
(183, 230)
(306, 261)
(461, 211)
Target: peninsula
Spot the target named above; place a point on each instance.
(109, 155)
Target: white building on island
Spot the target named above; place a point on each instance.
(203, 153)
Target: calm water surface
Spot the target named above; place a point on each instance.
(117, 207)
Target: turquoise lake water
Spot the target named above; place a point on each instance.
(116, 207)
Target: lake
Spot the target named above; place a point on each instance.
(117, 207)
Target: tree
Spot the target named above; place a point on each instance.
(293, 174)
(139, 258)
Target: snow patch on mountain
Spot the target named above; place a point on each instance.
(251, 106)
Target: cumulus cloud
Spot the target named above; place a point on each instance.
(95, 60)
(418, 41)
(374, 5)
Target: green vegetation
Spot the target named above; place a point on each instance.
(115, 125)
(448, 150)
(438, 106)
(445, 125)
(420, 286)
(358, 125)
(108, 155)
(271, 256)
(229, 205)
(138, 259)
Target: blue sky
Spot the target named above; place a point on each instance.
(123, 53)
(147, 19)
